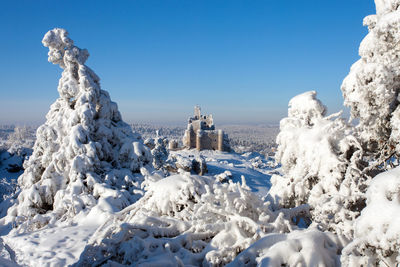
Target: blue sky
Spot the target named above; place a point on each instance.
(240, 60)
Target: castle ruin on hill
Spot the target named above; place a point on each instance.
(201, 133)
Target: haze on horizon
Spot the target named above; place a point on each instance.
(241, 61)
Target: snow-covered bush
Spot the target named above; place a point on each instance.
(377, 230)
(184, 220)
(306, 141)
(20, 142)
(372, 87)
(309, 247)
(14, 151)
(84, 153)
(178, 163)
(159, 152)
(223, 177)
(320, 163)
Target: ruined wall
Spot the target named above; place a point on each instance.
(210, 139)
(205, 139)
(201, 133)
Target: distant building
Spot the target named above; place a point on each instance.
(201, 133)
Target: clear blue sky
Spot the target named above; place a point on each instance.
(240, 60)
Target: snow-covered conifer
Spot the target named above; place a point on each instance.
(372, 87)
(159, 153)
(320, 165)
(84, 155)
(328, 164)
(372, 91)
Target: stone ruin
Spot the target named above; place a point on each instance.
(201, 133)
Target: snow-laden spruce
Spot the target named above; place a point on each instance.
(372, 91)
(189, 220)
(372, 87)
(159, 152)
(84, 155)
(320, 161)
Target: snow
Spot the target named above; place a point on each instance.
(377, 230)
(93, 193)
(218, 162)
(386, 6)
(309, 247)
(59, 246)
(184, 219)
(62, 244)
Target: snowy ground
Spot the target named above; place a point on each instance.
(255, 169)
(59, 246)
(62, 245)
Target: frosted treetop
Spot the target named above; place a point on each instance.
(62, 50)
(386, 6)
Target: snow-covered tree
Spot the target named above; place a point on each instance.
(372, 87)
(159, 152)
(84, 155)
(329, 164)
(20, 141)
(372, 91)
(320, 161)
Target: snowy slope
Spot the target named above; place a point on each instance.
(59, 246)
(254, 167)
(62, 245)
